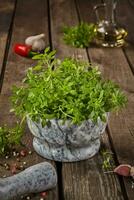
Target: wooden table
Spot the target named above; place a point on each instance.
(21, 18)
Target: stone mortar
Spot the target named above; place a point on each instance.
(66, 142)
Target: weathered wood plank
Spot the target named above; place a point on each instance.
(127, 21)
(82, 180)
(6, 13)
(89, 180)
(27, 22)
(124, 16)
(113, 59)
(115, 66)
(31, 18)
(59, 19)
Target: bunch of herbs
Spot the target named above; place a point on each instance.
(79, 36)
(68, 90)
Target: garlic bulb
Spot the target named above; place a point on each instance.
(38, 45)
(36, 42)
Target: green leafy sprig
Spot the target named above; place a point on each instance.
(79, 36)
(108, 161)
(73, 91)
(9, 137)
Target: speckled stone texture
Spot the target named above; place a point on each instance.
(34, 179)
(66, 142)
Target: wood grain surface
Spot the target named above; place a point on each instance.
(114, 65)
(7, 8)
(19, 19)
(31, 18)
(84, 180)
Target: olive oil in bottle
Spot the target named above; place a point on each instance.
(108, 32)
(110, 36)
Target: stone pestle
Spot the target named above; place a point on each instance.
(34, 179)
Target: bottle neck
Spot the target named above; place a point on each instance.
(110, 8)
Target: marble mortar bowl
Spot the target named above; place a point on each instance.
(66, 142)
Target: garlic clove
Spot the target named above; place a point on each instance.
(123, 170)
(38, 45)
(132, 171)
(30, 40)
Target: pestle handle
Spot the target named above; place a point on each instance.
(34, 179)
